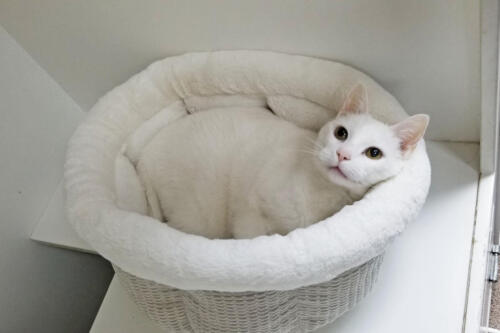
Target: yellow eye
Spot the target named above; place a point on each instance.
(374, 153)
(341, 133)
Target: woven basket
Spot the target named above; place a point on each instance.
(292, 283)
(303, 309)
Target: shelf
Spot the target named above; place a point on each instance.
(52, 229)
(423, 280)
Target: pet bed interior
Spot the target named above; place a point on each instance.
(299, 89)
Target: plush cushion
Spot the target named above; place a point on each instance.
(106, 204)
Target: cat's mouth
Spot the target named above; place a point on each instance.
(337, 170)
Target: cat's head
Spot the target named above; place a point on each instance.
(355, 150)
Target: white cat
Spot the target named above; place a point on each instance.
(243, 172)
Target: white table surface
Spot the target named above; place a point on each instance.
(53, 229)
(423, 280)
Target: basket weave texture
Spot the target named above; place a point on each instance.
(303, 309)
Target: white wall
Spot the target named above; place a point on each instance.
(426, 52)
(42, 289)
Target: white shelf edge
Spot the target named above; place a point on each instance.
(110, 318)
(489, 84)
(118, 313)
(64, 246)
(52, 228)
(479, 256)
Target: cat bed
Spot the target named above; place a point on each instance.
(296, 282)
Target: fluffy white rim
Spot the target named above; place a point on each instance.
(152, 250)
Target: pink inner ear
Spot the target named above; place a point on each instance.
(411, 130)
(356, 101)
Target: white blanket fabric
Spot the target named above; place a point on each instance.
(100, 177)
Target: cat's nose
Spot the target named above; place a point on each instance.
(343, 155)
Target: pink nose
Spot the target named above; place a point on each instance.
(343, 155)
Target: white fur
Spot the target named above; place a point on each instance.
(242, 172)
(360, 171)
(238, 172)
(152, 250)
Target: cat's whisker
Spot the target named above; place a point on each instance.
(310, 152)
(305, 150)
(313, 152)
(315, 143)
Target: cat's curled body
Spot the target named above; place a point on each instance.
(238, 172)
(243, 172)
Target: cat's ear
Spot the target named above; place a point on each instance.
(356, 101)
(410, 130)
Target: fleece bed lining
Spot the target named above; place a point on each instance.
(106, 206)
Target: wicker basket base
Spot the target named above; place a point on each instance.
(300, 310)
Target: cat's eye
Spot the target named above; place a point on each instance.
(374, 153)
(340, 133)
